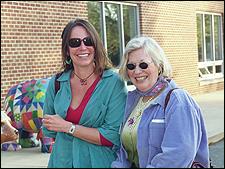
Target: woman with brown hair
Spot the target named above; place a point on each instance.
(84, 116)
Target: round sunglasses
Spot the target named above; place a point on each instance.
(76, 42)
(142, 65)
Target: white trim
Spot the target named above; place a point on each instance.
(207, 82)
(120, 23)
(138, 20)
(213, 44)
(122, 3)
(204, 43)
(122, 30)
(211, 13)
(104, 24)
(207, 76)
(210, 63)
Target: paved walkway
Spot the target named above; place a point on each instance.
(212, 105)
(25, 158)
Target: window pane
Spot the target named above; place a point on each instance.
(94, 16)
(129, 20)
(203, 71)
(217, 37)
(200, 38)
(208, 37)
(210, 69)
(218, 69)
(113, 32)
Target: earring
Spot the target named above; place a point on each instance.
(159, 71)
(94, 61)
(68, 61)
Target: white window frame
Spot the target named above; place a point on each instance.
(210, 77)
(102, 6)
(121, 31)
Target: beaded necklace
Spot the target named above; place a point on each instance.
(138, 111)
(142, 105)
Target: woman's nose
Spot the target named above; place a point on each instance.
(82, 45)
(137, 70)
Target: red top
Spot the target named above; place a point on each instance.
(74, 115)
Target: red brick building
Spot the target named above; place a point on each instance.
(191, 34)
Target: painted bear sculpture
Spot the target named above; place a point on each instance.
(9, 134)
(24, 105)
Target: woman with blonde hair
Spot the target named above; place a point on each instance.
(163, 126)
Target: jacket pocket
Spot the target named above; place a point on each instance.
(157, 129)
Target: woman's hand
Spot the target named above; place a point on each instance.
(56, 123)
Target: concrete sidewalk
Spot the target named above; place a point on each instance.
(212, 105)
(25, 158)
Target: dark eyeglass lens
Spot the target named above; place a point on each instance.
(131, 66)
(75, 42)
(87, 41)
(143, 65)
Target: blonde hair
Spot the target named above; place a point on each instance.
(152, 49)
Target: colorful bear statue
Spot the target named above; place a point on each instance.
(24, 105)
(9, 134)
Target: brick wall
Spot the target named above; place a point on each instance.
(30, 38)
(31, 44)
(173, 25)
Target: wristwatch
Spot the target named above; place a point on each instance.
(72, 129)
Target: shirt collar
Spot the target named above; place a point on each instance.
(66, 75)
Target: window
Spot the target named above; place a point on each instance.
(210, 47)
(116, 23)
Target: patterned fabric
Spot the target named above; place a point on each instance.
(24, 104)
(156, 88)
(10, 146)
(46, 142)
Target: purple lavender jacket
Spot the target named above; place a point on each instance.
(173, 138)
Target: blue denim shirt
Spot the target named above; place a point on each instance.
(171, 138)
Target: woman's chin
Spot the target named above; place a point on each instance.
(142, 88)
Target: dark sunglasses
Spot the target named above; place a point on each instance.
(142, 65)
(76, 42)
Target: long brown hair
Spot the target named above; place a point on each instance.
(102, 61)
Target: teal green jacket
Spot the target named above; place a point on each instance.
(104, 111)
